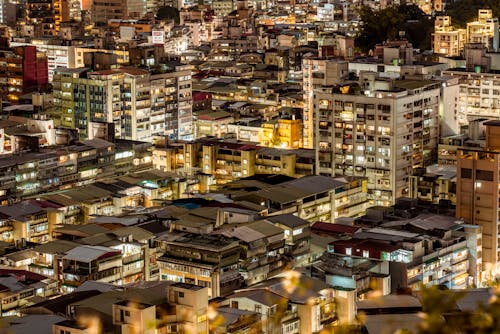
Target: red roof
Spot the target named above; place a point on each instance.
(20, 273)
(45, 204)
(330, 228)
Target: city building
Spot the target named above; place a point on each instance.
(421, 248)
(379, 129)
(22, 70)
(446, 39)
(103, 11)
(435, 184)
(27, 221)
(205, 260)
(140, 104)
(227, 160)
(316, 74)
(478, 96)
(297, 304)
(146, 307)
(46, 16)
(484, 30)
(477, 202)
(213, 124)
(88, 262)
(312, 198)
(20, 286)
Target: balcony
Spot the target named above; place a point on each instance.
(132, 258)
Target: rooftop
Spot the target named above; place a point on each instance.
(288, 220)
(88, 253)
(253, 231)
(300, 188)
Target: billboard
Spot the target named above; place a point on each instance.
(158, 36)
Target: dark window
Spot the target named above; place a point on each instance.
(484, 175)
(466, 173)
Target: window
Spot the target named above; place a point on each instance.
(366, 253)
(466, 173)
(180, 294)
(348, 251)
(258, 308)
(234, 304)
(484, 175)
(124, 314)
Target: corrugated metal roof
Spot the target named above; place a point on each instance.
(88, 253)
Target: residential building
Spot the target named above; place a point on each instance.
(26, 221)
(141, 104)
(227, 160)
(46, 16)
(369, 278)
(78, 165)
(19, 286)
(87, 262)
(297, 236)
(205, 260)
(484, 30)
(318, 73)
(103, 11)
(22, 70)
(450, 255)
(306, 306)
(145, 307)
(230, 320)
(285, 132)
(436, 184)
(311, 198)
(379, 132)
(477, 202)
(249, 130)
(446, 39)
(263, 250)
(99, 97)
(478, 96)
(213, 124)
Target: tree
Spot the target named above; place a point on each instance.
(441, 316)
(385, 24)
(464, 11)
(168, 13)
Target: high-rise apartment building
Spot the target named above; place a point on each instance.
(176, 94)
(447, 40)
(382, 130)
(22, 70)
(478, 96)
(317, 73)
(141, 104)
(478, 193)
(104, 10)
(46, 15)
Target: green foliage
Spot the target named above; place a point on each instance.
(168, 13)
(464, 11)
(441, 315)
(435, 303)
(385, 24)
